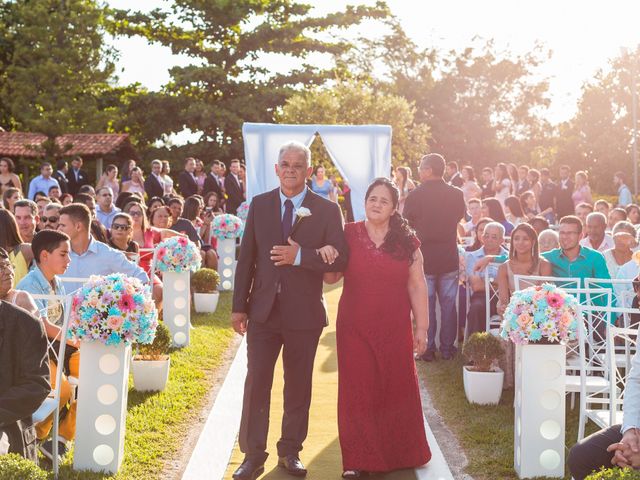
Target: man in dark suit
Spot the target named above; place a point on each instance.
(232, 186)
(564, 202)
(76, 176)
(434, 209)
(153, 184)
(278, 302)
(62, 168)
(186, 181)
(213, 182)
(455, 178)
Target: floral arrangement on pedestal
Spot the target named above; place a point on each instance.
(243, 211)
(177, 254)
(543, 313)
(113, 309)
(227, 226)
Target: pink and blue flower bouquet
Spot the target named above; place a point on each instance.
(177, 254)
(227, 226)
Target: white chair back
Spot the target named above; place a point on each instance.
(493, 322)
(622, 289)
(525, 281)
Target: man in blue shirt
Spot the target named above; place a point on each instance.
(88, 256)
(105, 210)
(624, 194)
(43, 182)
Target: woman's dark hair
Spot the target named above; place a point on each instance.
(9, 234)
(504, 173)
(46, 240)
(110, 168)
(153, 200)
(535, 251)
(10, 165)
(535, 174)
(153, 213)
(524, 196)
(208, 196)
(64, 196)
(476, 243)
(8, 193)
(145, 219)
(470, 173)
(514, 206)
(190, 208)
(400, 241)
(495, 209)
(99, 232)
(127, 197)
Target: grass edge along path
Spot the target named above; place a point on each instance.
(484, 432)
(158, 422)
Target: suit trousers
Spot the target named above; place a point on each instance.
(591, 452)
(264, 342)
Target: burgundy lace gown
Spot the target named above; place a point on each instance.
(379, 409)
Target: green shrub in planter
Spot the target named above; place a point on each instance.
(15, 467)
(615, 474)
(482, 349)
(159, 347)
(205, 280)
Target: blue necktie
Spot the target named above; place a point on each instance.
(287, 219)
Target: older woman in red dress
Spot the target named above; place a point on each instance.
(380, 417)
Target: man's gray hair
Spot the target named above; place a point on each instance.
(597, 215)
(156, 162)
(51, 206)
(301, 148)
(497, 225)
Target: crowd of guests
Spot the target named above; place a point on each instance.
(66, 228)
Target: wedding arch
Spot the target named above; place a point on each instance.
(359, 152)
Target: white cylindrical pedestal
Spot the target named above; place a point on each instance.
(177, 310)
(226, 262)
(102, 407)
(539, 427)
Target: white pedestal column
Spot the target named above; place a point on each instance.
(177, 309)
(539, 428)
(226, 262)
(102, 407)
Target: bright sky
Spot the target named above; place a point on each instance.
(583, 35)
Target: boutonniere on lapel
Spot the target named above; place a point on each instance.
(301, 214)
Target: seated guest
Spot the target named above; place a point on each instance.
(154, 203)
(50, 216)
(51, 254)
(513, 211)
(492, 208)
(55, 194)
(88, 256)
(42, 203)
(121, 236)
(478, 231)
(160, 217)
(529, 204)
(492, 238)
(603, 207)
(548, 240)
(633, 213)
(212, 203)
(618, 444)
(26, 214)
(106, 210)
(98, 232)
(539, 224)
(24, 383)
(624, 239)
(198, 231)
(87, 190)
(616, 215)
(66, 199)
(596, 237)
(19, 253)
(524, 259)
(175, 207)
(10, 197)
(582, 210)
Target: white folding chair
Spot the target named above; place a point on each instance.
(525, 281)
(622, 289)
(51, 404)
(493, 322)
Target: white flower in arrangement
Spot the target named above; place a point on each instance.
(303, 212)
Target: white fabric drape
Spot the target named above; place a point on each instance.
(359, 152)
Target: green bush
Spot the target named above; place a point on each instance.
(205, 280)
(615, 474)
(160, 345)
(15, 467)
(482, 349)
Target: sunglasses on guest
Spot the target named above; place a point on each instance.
(120, 226)
(53, 219)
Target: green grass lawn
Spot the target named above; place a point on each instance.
(158, 422)
(485, 433)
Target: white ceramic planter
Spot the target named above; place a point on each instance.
(226, 262)
(484, 388)
(102, 407)
(176, 304)
(150, 375)
(206, 302)
(539, 428)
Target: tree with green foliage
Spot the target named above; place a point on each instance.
(58, 68)
(357, 103)
(230, 80)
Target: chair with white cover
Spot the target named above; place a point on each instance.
(604, 407)
(51, 404)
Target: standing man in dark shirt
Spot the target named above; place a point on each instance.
(564, 202)
(76, 176)
(453, 174)
(434, 210)
(487, 183)
(547, 200)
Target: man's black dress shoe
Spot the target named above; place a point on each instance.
(249, 470)
(428, 356)
(448, 356)
(293, 465)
